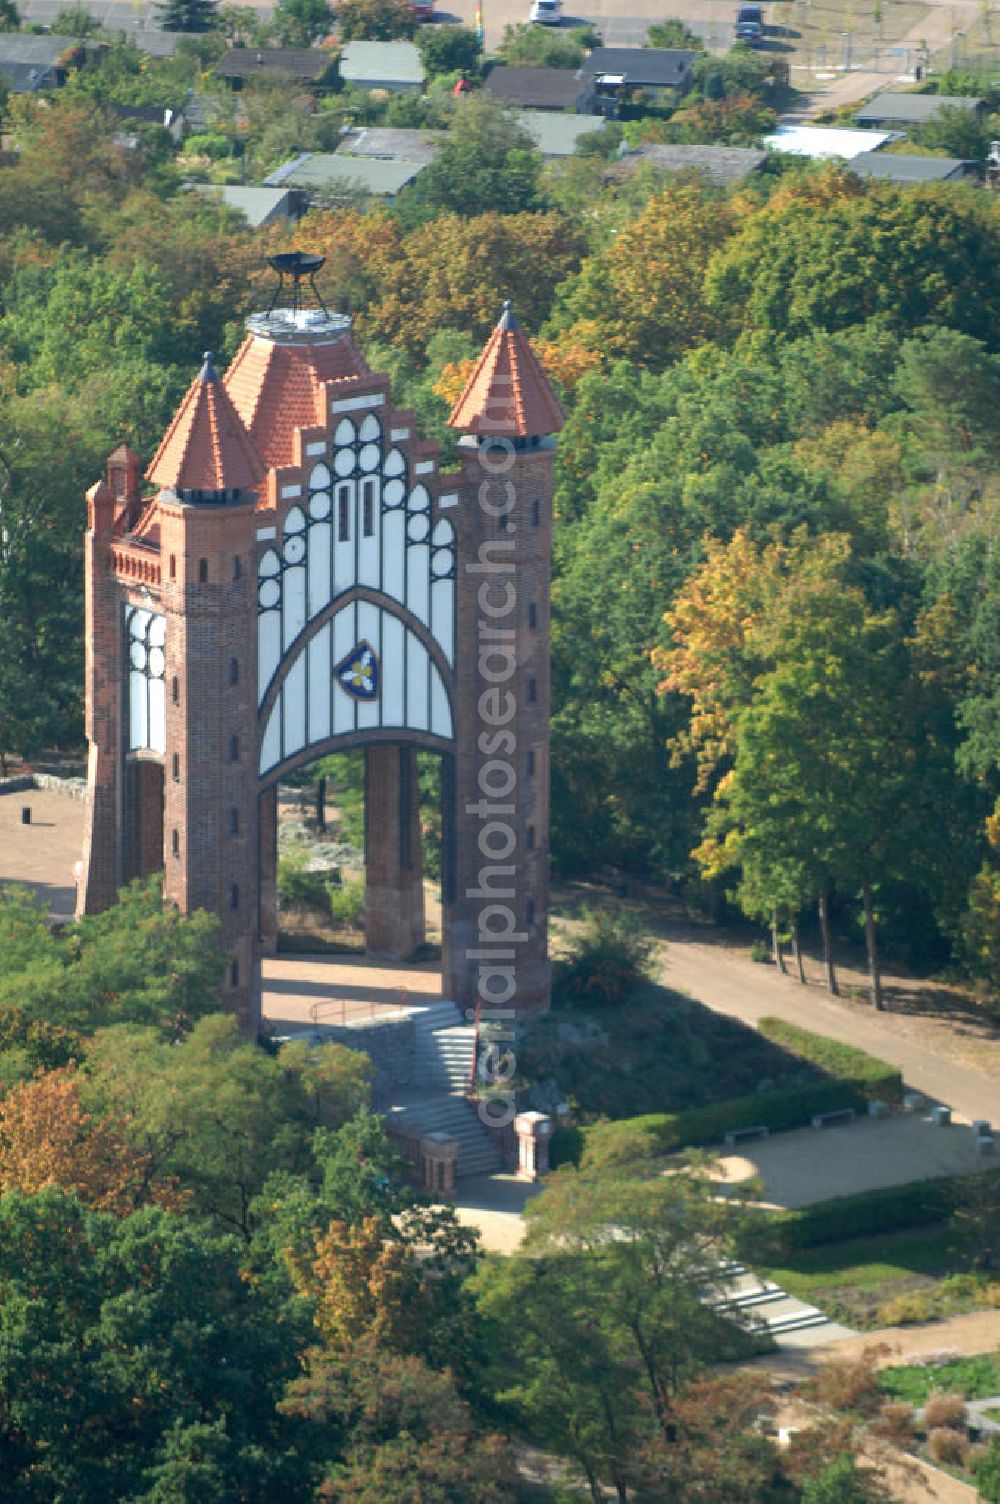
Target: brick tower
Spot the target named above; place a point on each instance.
(304, 580)
(507, 416)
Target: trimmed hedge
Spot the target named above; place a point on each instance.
(857, 1078)
(866, 1214)
(876, 1078)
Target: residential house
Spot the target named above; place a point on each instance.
(259, 205)
(395, 67)
(534, 88)
(611, 73)
(904, 169)
(722, 165)
(30, 64)
(899, 111)
(329, 176)
(308, 65)
(556, 135)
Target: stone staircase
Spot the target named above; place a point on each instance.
(781, 1314)
(423, 1058)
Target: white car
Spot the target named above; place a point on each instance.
(545, 13)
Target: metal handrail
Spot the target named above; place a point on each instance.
(333, 1002)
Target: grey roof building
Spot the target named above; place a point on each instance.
(31, 63)
(722, 165)
(391, 142)
(258, 205)
(330, 174)
(394, 66)
(310, 64)
(899, 109)
(555, 134)
(535, 88)
(903, 169)
(610, 70)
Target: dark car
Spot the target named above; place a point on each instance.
(750, 24)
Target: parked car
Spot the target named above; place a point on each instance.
(422, 10)
(750, 24)
(545, 13)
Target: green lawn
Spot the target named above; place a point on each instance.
(888, 1280)
(868, 1263)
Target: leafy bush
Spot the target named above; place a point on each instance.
(347, 902)
(876, 1078)
(760, 952)
(209, 144)
(987, 1475)
(904, 1310)
(606, 964)
(946, 1445)
(895, 1423)
(298, 887)
(945, 1410)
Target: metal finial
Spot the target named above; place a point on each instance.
(208, 371)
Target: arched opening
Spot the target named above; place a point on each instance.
(355, 854)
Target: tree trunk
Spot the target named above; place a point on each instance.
(321, 803)
(824, 924)
(871, 941)
(797, 951)
(779, 959)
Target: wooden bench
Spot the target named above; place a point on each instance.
(830, 1119)
(736, 1134)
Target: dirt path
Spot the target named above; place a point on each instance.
(976, 1332)
(945, 1045)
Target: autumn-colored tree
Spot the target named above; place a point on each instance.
(456, 273)
(388, 1429)
(47, 1138)
(798, 691)
(358, 1283)
(641, 298)
(360, 250)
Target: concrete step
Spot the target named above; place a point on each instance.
(452, 1115)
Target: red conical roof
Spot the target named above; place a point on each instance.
(508, 394)
(207, 447)
(278, 388)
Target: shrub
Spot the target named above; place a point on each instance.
(946, 1445)
(607, 963)
(986, 1472)
(298, 887)
(903, 1310)
(874, 1077)
(895, 1423)
(347, 902)
(945, 1410)
(848, 1388)
(209, 144)
(760, 952)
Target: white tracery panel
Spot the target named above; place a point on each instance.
(360, 522)
(363, 670)
(145, 640)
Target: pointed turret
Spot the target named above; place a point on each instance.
(207, 450)
(508, 394)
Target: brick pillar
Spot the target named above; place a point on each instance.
(101, 869)
(533, 1129)
(210, 798)
(438, 1156)
(267, 869)
(501, 785)
(394, 888)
